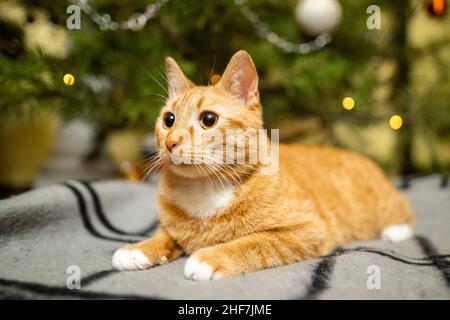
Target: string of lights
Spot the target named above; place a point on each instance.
(264, 31)
(137, 21)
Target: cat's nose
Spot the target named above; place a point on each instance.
(170, 144)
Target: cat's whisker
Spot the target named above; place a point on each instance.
(237, 179)
(217, 176)
(157, 82)
(217, 168)
(147, 173)
(225, 173)
(206, 174)
(222, 163)
(192, 154)
(213, 160)
(154, 166)
(162, 74)
(159, 95)
(212, 70)
(164, 79)
(230, 171)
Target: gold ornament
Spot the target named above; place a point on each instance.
(437, 8)
(215, 78)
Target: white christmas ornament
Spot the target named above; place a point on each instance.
(318, 16)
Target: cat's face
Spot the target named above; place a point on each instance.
(192, 128)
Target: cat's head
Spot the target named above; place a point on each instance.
(194, 117)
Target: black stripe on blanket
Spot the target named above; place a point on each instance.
(82, 209)
(392, 255)
(432, 253)
(100, 213)
(405, 182)
(64, 292)
(320, 277)
(324, 269)
(96, 276)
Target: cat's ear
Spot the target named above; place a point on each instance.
(241, 79)
(176, 80)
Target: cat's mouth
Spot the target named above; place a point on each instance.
(181, 162)
(182, 165)
(193, 168)
(188, 170)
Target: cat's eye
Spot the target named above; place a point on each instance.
(208, 119)
(169, 119)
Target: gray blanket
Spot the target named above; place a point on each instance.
(51, 235)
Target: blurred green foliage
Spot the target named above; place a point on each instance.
(120, 77)
(200, 35)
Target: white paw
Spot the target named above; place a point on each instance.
(125, 259)
(196, 270)
(397, 233)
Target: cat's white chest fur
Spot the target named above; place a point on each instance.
(202, 200)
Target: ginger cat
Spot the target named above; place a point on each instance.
(232, 219)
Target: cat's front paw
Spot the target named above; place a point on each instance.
(126, 259)
(198, 269)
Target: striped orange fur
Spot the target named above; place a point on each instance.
(232, 219)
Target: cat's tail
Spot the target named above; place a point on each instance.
(401, 223)
(397, 233)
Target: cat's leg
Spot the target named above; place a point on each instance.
(254, 252)
(158, 249)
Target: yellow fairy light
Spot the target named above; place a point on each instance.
(396, 122)
(348, 103)
(215, 78)
(69, 79)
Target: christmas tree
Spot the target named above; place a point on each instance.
(119, 78)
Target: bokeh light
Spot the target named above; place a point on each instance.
(69, 79)
(396, 122)
(348, 103)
